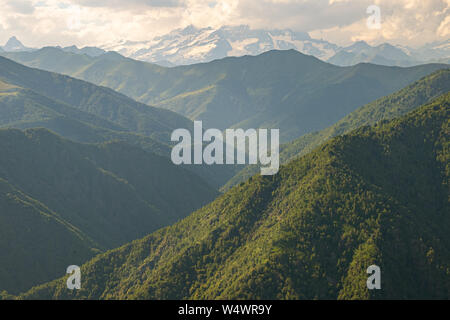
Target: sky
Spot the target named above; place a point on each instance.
(96, 22)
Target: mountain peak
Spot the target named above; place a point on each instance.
(196, 45)
(189, 30)
(13, 44)
(358, 46)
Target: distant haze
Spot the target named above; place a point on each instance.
(97, 22)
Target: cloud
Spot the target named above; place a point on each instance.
(301, 15)
(95, 22)
(129, 3)
(21, 6)
(444, 27)
(407, 22)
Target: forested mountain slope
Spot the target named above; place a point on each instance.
(288, 90)
(386, 108)
(63, 201)
(35, 242)
(378, 195)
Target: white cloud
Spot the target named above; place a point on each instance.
(94, 22)
(21, 6)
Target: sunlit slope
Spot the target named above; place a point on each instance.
(386, 108)
(296, 93)
(84, 112)
(35, 243)
(61, 201)
(378, 195)
(98, 101)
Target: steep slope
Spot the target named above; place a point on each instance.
(23, 108)
(83, 112)
(35, 243)
(386, 108)
(101, 102)
(101, 189)
(392, 106)
(194, 45)
(108, 194)
(375, 196)
(278, 89)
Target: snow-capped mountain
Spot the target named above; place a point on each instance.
(384, 54)
(389, 55)
(193, 45)
(14, 45)
(196, 45)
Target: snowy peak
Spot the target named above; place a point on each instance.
(357, 47)
(14, 45)
(194, 45)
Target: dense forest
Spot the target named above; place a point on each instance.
(85, 170)
(377, 195)
(277, 89)
(63, 202)
(385, 108)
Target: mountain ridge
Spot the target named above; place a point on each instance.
(309, 232)
(192, 45)
(241, 92)
(91, 197)
(395, 105)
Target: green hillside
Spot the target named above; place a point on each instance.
(386, 108)
(83, 112)
(35, 243)
(278, 89)
(23, 108)
(378, 195)
(64, 199)
(101, 102)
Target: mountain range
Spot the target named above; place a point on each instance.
(119, 110)
(196, 45)
(389, 55)
(85, 171)
(14, 45)
(375, 196)
(277, 89)
(87, 113)
(193, 45)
